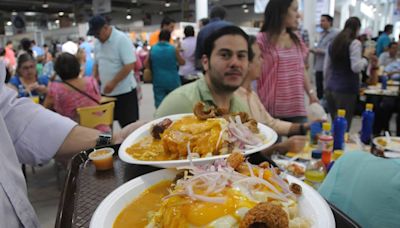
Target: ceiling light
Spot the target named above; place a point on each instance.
(45, 5)
(133, 1)
(167, 4)
(246, 10)
(61, 13)
(161, 12)
(14, 13)
(244, 6)
(57, 21)
(30, 13)
(128, 17)
(9, 23)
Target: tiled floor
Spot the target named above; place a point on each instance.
(43, 189)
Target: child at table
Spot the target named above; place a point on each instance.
(72, 92)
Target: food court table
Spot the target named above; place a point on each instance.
(84, 189)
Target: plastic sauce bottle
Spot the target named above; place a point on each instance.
(339, 130)
(21, 90)
(384, 80)
(368, 117)
(315, 170)
(336, 155)
(325, 143)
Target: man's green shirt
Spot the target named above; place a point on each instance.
(183, 99)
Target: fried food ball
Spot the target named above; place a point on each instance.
(201, 113)
(295, 188)
(235, 159)
(265, 215)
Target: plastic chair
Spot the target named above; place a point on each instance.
(93, 116)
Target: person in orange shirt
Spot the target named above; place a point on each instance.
(166, 24)
(10, 56)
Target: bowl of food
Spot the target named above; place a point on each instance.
(181, 139)
(227, 193)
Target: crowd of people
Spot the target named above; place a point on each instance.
(229, 62)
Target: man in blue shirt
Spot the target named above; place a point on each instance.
(384, 40)
(366, 188)
(114, 63)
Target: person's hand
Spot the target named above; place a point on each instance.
(374, 61)
(119, 136)
(31, 87)
(313, 98)
(295, 143)
(109, 87)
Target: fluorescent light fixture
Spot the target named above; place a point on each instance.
(57, 21)
(30, 13)
(246, 10)
(244, 6)
(128, 17)
(14, 13)
(45, 5)
(167, 4)
(61, 13)
(9, 23)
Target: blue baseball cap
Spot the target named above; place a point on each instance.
(95, 24)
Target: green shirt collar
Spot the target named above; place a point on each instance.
(206, 97)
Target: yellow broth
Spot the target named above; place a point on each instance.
(136, 213)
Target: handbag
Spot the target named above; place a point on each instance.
(147, 74)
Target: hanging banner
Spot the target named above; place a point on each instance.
(101, 6)
(259, 5)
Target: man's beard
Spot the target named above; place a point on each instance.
(219, 84)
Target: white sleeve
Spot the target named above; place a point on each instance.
(358, 63)
(37, 133)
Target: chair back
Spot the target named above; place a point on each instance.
(93, 116)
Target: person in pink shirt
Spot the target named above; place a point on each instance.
(72, 92)
(284, 80)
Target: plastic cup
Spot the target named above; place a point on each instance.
(35, 99)
(102, 158)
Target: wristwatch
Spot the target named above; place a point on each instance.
(103, 139)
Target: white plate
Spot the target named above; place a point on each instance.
(311, 203)
(394, 146)
(270, 138)
(284, 164)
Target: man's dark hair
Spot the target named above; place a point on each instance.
(226, 30)
(67, 66)
(218, 12)
(274, 19)
(188, 31)
(388, 28)
(328, 17)
(204, 21)
(164, 35)
(167, 21)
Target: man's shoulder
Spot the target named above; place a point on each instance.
(181, 100)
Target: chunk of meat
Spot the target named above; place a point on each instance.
(159, 128)
(201, 113)
(265, 215)
(235, 159)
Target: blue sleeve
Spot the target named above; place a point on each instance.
(15, 81)
(126, 50)
(43, 80)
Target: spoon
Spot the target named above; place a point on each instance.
(388, 138)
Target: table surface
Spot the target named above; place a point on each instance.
(85, 188)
